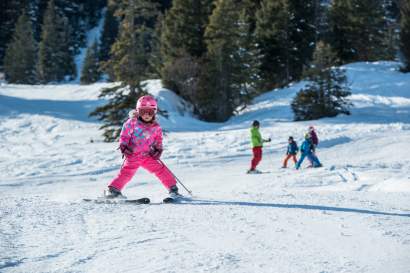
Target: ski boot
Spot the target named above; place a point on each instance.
(174, 195)
(173, 192)
(253, 171)
(112, 193)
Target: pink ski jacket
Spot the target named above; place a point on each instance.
(139, 136)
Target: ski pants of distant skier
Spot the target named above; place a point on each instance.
(131, 165)
(312, 158)
(257, 157)
(285, 162)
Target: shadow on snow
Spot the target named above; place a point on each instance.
(72, 110)
(290, 206)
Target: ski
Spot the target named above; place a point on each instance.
(260, 172)
(103, 200)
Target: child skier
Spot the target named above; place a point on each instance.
(307, 151)
(315, 141)
(291, 152)
(313, 136)
(257, 143)
(141, 145)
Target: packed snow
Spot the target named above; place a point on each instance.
(352, 215)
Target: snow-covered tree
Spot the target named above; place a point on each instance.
(327, 92)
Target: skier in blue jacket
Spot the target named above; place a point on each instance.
(306, 150)
(291, 152)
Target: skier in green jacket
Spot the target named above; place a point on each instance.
(257, 144)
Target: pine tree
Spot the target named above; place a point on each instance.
(73, 14)
(303, 34)
(392, 36)
(326, 94)
(405, 34)
(91, 11)
(55, 60)
(232, 62)
(359, 30)
(130, 53)
(156, 60)
(321, 15)
(91, 72)
(10, 11)
(163, 5)
(250, 7)
(273, 35)
(182, 42)
(286, 33)
(20, 58)
(129, 64)
(184, 28)
(36, 10)
(109, 33)
(248, 55)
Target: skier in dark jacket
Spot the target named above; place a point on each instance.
(306, 150)
(313, 136)
(315, 141)
(291, 152)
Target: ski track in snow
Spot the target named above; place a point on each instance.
(352, 215)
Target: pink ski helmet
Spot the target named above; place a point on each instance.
(147, 102)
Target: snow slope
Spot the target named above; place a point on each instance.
(352, 215)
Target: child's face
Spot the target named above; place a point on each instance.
(147, 115)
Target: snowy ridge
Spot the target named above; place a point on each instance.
(352, 215)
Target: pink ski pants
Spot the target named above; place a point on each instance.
(131, 165)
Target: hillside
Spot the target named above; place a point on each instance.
(352, 215)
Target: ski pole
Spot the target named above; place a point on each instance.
(176, 178)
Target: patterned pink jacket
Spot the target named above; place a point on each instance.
(139, 136)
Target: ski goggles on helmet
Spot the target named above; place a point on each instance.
(146, 111)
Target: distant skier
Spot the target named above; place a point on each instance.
(257, 144)
(306, 150)
(141, 145)
(291, 152)
(313, 136)
(315, 142)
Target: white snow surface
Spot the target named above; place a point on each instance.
(352, 215)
